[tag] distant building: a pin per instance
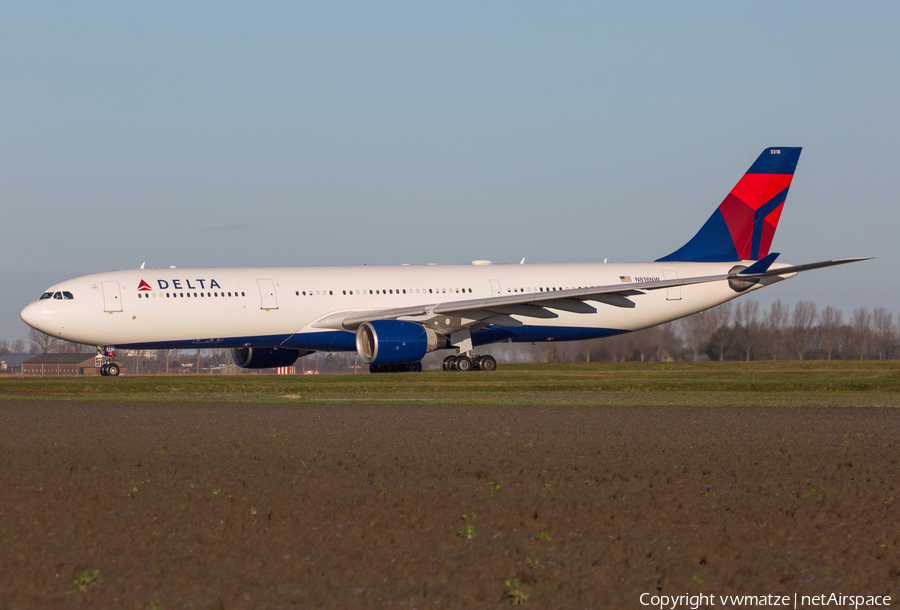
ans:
(12, 363)
(63, 364)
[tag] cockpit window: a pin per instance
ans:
(63, 296)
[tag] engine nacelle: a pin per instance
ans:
(265, 357)
(395, 341)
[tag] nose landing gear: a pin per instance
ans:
(104, 361)
(110, 370)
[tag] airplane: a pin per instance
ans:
(394, 315)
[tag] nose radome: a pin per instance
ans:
(31, 315)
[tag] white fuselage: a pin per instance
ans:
(292, 306)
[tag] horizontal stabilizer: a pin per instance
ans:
(762, 265)
(806, 267)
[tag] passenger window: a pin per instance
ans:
(229, 294)
(242, 294)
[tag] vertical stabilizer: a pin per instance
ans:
(743, 225)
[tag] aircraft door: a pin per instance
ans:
(495, 288)
(112, 298)
(673, 293)
(267, 294)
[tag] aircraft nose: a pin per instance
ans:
(34, 315)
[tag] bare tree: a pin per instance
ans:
(803, 331)
(775, 323)
(882, 331)
(746, 327)
(830, 331)
(719, 338)
(861, 325)
(42, 343)
(697, 329)
(18, 346)
(4, 347)
(68, 347)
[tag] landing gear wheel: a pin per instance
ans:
(112, 370)
(448, 363)
(104, 370)
(463, 363)
(415, 367)
(487, 363)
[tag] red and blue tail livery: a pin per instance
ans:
(743, 225)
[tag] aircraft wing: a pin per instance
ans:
(497, 310)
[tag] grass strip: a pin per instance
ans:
(785, 383)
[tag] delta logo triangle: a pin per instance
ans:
(144, 286)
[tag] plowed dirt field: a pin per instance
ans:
(282, 505)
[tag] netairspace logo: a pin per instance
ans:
(835, 600)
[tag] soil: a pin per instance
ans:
(282, 505)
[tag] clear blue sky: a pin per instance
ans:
(228, 134)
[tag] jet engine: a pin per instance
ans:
(395, 341)
(265, 357)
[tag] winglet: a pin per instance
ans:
(760, 266)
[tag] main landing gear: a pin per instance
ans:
(464, 363)
(404, 367)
